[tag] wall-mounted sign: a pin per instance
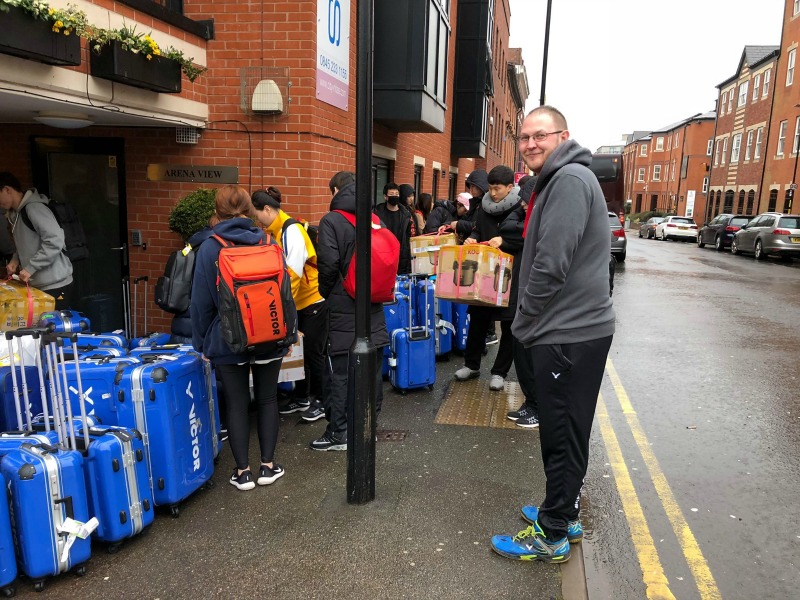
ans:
(333, 52)
(193, 173)
(689, 212)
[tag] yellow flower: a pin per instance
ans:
(66, 32)
(149, 56)
(58, 24)
(50, 11)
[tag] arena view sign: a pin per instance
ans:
(193, 173)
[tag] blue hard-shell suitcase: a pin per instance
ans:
(8, 407)
(445, 331)
(113, 338)
(8, 562)
(152, 339)
(170, 403)
(461, 323)
(64, 321)
(396, 315)
(46, 487)
(413, 362)
(117, 482)
(98, 379)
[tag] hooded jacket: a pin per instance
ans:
(417, 223)
(402, 232)
(206, 331)
(564, 290)
(301, 258)
(335, 246)
(480, 179)
(443, 212)
(182, 322)
(41, 251)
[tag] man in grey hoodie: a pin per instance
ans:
(565, 321)
(41, 252)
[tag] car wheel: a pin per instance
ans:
(649, 235)
(621, 257)
(700, 242)
(640, 232)
(718, 244)
(759, 251)
(734, 247)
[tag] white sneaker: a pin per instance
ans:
(465, 373)
(496, 383)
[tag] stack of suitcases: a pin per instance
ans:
(95, 435)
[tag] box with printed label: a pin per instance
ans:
(20, 305)
(425, 251)
(292, 367)
(474, 274)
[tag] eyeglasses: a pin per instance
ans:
(537, 137)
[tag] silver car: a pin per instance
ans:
(769, 233)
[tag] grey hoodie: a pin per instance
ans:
(563, 294)
(40, 251)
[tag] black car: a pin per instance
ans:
(721, 229)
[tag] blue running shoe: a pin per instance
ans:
(574, 528)
(531, 544)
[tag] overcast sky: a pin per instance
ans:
(615, 66)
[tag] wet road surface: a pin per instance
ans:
(692, 490)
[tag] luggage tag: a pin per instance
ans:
(74, 530)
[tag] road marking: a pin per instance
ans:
(655, 581)
(706, 584)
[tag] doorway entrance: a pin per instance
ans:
(89, 174)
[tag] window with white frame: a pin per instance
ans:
(724, 150)
(643, 150)
(730, 101)
(796, 136)
(790, 66)
(669, 143)
(717, 153)
(723, 103)
(767, 77)
(705, 185)
(656, 172)
(759, 139)
(640, 175)
(749, 145)
(736, 147)
(672, 172)
(743, 94)
(659, 144)
(676, 139)
(710, 147)
(782, 137)
(756, 85)
(796, 8)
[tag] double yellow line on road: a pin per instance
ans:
(654, 578)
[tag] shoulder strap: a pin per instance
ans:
(23, 213)
(224, 243)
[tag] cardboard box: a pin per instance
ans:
(474, 274)
(425, 251)
(292, 367)
(18, 309)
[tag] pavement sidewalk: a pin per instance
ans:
(441, 494)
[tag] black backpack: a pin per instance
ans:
(67, 218)
(174, 288)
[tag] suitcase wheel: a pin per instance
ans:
(38, 586)
(175, 511)
(80, 571)
(9, 591)
(114, 548)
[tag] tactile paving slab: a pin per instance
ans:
(472, 403)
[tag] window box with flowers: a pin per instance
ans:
(33, 30)
(135, 59)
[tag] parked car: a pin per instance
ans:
(769, 233)
(721, 229)
(676, 228)
(648, 228)
(619, 242)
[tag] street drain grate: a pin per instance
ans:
(391, 435)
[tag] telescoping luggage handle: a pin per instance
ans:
(20, 334)
(136, 282)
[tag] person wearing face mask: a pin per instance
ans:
(398, 219)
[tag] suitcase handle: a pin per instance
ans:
(67, 502)
(35, 332)
(45, 448)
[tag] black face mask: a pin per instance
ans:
(393, 200)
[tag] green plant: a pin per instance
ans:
(67, 21)
(192, 213)
(141, 43)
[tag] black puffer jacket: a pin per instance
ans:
(444, 212)
(403, 235)
(335, 246)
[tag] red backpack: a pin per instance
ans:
(256, 307)
(385, 257)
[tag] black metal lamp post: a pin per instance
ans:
(546, 48)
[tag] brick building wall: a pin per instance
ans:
(781, 170)
(633, 161)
